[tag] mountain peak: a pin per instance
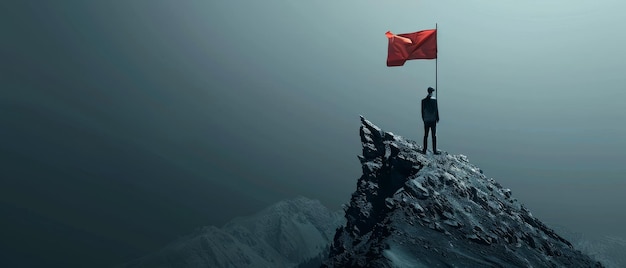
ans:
(416, 210)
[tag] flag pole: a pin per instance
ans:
(436, 67)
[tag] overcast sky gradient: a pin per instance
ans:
(125, 124)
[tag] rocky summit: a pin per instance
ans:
(416, 210)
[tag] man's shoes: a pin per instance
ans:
(437, 152)
(423, 151)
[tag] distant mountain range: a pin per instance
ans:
(291, 233)
(607, 249)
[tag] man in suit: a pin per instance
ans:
(430, 116)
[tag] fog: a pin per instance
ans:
(125, 124)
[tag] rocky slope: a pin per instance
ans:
(415, 210)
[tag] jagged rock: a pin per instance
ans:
(415, 210)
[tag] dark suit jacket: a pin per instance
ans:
(430, 111)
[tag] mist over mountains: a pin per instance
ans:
(290, 233)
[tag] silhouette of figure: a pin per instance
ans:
(430, 116)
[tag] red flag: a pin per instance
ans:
(411, 46)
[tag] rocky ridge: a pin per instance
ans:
(416, 210)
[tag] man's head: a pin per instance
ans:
(430, 92)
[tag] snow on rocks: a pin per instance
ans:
(414, 210)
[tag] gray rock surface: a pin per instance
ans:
(416, 210)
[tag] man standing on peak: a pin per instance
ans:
(430, 116)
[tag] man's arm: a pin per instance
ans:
(437, 111)
(422, 110)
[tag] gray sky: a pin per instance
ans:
(128, 123)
